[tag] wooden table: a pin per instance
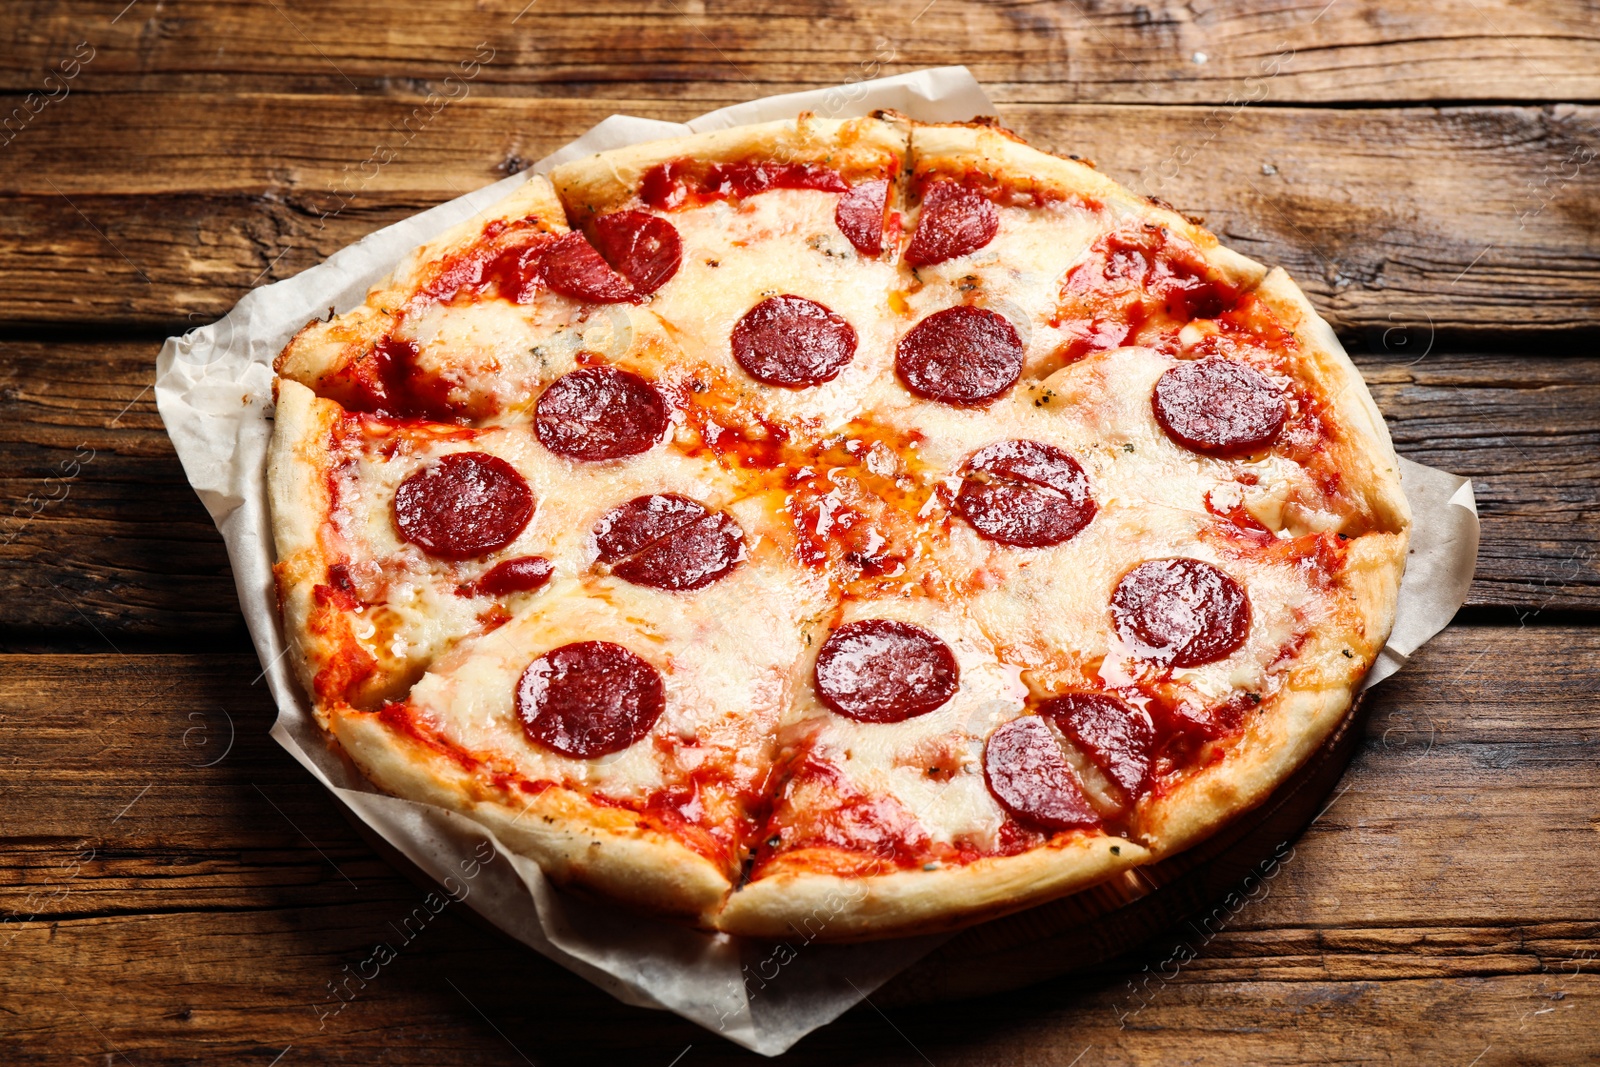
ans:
(176, 890)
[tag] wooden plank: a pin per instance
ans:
(1503, 420)
(159, 904)
(1461, 221)
(1451, 878)
(101, 539)
(1159, 51)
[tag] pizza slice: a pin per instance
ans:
(1020, 264)
(887, 816)
(619, 729)
(472, 325)
(1011, 234)
(397, 538)
(769, 248)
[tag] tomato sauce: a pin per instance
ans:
(1010, 190)
(506, 260)
(681, 183)
(388, 382)
(878, 830)
(1140, 287)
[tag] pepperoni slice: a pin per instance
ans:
(521, 575)
(644, 248)
(859, 215)
(1025, 493)
(954, 221)
(1029, 775)
(573, 268)
(643, 521)
(793, 342)
(1219, 406)
(589, 699)
(961, 355)
(1185, 611)
(668, 541)
(599, 413)
(1118, 738)
(880, 670)
(468, 504)
(690, 558)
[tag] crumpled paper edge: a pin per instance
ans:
(1439, 563)
(213, 390)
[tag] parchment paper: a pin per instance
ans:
(214, 392)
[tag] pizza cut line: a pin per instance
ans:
(869, 519)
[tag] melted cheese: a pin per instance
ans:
(1017, 274)
(498, 356)
(780, 242)
(414, 612)
(1046, 608)
(895, 759)
(726, 655)
(737, 657)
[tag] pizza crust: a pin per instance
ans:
(606, 849)
(828, 907)
(858, 149)
(297, 487)
(1363, 450)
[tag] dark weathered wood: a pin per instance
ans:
(1526, 430)
(123, 550)
(1458, 221)
(1452, 879)
(1063, 52)
(154, 909)
(101, 538)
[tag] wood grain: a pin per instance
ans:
(101, 538)
(707, 50)
(1426, 171)
(123, 550)
(1466, 223)
(1454, 876)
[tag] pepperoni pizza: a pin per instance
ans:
(855, 527)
